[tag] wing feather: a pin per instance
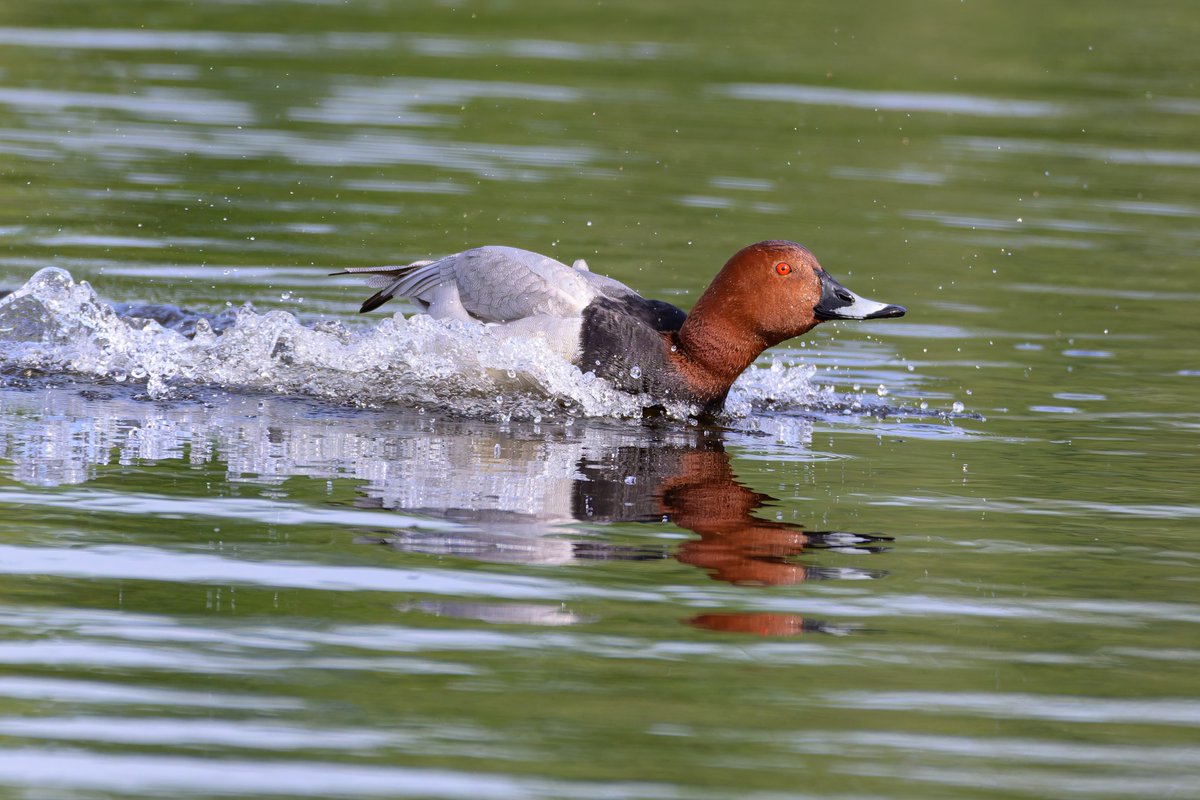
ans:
(495, 284)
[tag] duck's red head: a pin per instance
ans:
(777, 290)
(766, 293)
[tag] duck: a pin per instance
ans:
(766, 293)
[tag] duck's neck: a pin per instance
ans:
(711, 353)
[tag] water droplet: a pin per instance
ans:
(924, 405)
(635, 372)
(882, 391)
(958, 407)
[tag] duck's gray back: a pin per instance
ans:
(501, 284)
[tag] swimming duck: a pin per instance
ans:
(766, 293)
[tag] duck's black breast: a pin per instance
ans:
(622, 341)
(665, 317)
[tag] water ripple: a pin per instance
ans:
(999, 147)
(152, 103)
(272, 512)
(113, 562)
(56, 690)
(239, 733)
(1034, 783)
(393, 102)
(137, 140)
(127, 775)
(140, 39)
(1039, 506)
(1028, 751)
(1009, 705)
(892, 101)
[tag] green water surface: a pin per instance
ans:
(232, 594)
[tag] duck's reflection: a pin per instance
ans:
(688, 483)
(536, 495)
(695, 488)
(692, 486)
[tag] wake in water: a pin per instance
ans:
(54, 324)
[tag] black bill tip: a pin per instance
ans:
(887, 312)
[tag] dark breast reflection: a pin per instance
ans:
(691, 484)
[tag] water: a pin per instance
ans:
(285, 550)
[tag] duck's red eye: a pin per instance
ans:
(783, 268)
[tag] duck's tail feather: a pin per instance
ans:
(409, 280)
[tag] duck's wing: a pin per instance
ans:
(406, 281)
(501, 284)
(490, 284)
(659, 314)
(588, 286)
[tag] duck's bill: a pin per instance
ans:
(838, 302)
